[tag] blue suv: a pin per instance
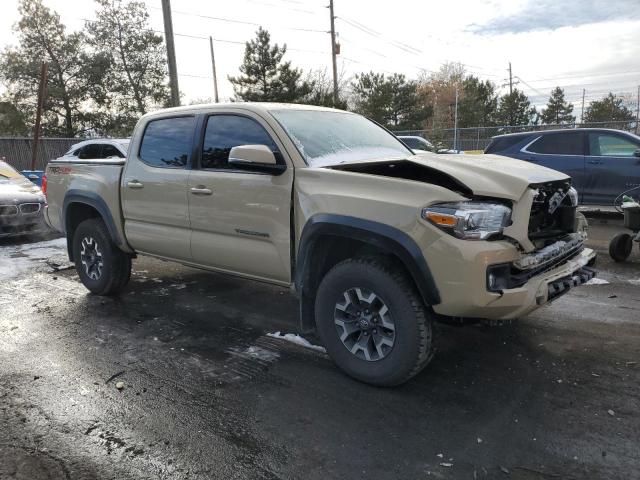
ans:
(602, 163)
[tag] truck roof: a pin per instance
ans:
(259, 107)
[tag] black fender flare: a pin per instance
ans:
(95, 201)
(373, 233)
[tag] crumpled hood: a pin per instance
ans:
(490, 175)
(15, 191)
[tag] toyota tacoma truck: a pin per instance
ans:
(377, 242)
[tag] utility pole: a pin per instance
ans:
(333, 54)
(582, 111)
(213, 66)
(510, 80)
(171, 53)
(638, 111)
(455, 123)
(42, 88)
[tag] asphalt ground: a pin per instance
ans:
(207, 394)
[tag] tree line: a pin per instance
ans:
(104, 77)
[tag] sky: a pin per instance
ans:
(575, 44)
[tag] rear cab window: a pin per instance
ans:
(167, 142)
(565, 143)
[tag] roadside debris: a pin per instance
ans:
(504, 470)
(114, 376)
(446, 464)
(120, 385)
(597, 281)
(297, 339)
(631, 364)
(611, 412)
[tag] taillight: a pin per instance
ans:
(44, 185)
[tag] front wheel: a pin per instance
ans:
(102, 267)
(373, 322)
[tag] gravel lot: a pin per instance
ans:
(206, 393)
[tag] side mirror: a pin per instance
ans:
(255, 157)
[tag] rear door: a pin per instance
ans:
(154, 189)
(562, 151)
(612, 166)
(240, 219)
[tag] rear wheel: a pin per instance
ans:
(620, 247)
(373, 323)
(102, 267)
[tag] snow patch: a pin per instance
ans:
(635, 281)
(298, 340)
(597, 281)
(17, 259)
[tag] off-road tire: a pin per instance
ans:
(620, 247)
(116, 265)
(413, 346)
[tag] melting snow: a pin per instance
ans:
(297, 339)
(16, 259)
(597, 281)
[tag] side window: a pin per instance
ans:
(569, 143)
(167, 142)
(607, 145)
(109, 151)
(91, 151)
(224, 132)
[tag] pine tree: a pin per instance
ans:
(558, 111)
(265, 77)
(392, 101)
(515, 109)
(610, 109)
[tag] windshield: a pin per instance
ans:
(7, 172)
(329, 138)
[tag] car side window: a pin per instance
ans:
(608, 145)
(569, 143)
(167, 142)
(109, 151)
(224, 132)
(90, 151)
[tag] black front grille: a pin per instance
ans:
(26, 208)
(8, 210)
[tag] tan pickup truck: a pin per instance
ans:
(377, 242)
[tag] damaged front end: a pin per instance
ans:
(557, 233)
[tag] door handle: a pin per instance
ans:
(201, 190)
(594, 162)
(134, 184)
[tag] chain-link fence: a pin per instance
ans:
(18, 151)
(477, 138)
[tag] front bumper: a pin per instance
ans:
(462, 281)
(21, 223)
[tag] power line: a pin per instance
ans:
(242, 22)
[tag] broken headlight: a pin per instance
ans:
(469, 220)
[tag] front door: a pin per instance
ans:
(154, 189)
(612, 166)
(240, 220)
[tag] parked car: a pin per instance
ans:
(97, 149)
(417, 143)
(377, 242)
(420, 145)
(21, 204)
(602, 163)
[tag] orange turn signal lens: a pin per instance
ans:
(442, 219)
